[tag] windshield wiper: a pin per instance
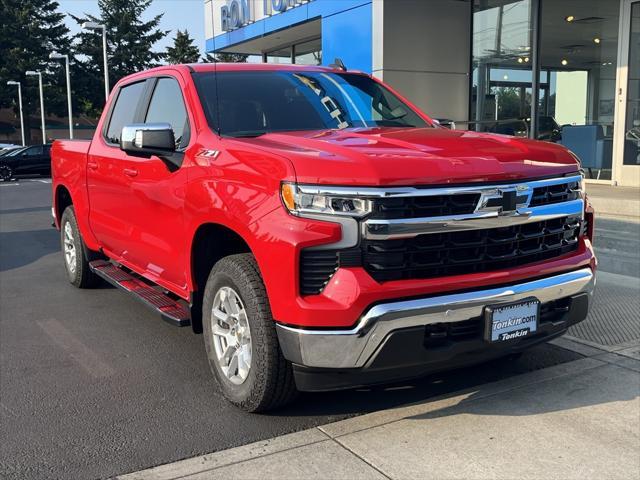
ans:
(247, 134)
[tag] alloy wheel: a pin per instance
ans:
(69, 248)
(5, 173)
(231, 335)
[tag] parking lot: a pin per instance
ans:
(93, 385)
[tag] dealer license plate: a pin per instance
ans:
(511, 321)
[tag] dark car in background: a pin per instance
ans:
(548, 128)
(33, 160)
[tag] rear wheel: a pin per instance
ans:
(5, 173)
(240, 337)
(75, 253)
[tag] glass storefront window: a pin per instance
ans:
(281, 56)
(632, 120)
(579, 57)
(501, 92)
(308, 53)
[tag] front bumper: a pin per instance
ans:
(359, 347)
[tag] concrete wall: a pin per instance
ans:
(422, 48)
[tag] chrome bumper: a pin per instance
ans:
(343, 349)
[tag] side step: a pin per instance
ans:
(169, 309)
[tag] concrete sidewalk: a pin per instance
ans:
(576, 420)
(615, 202)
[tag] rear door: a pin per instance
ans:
(107, 182)
(44, 163)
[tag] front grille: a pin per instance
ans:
(424, 206)
(446, 253)
(470, 251)
(550, 194)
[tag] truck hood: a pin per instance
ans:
(414, 156)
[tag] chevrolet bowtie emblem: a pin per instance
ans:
(509, 198)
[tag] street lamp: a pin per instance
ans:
(99, 26)
(13, 82)
(39, 74)
(58, 56)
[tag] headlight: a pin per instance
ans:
(309, 199)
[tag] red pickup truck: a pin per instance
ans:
(319, 229)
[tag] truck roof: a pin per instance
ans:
(222, 67)
(229, 67)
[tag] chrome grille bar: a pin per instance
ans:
(410, 227)
(488, 213)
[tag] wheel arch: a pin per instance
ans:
(211, 242)
(62, 200)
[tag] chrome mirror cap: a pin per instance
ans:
(147, 139)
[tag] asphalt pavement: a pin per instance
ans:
(92, 384)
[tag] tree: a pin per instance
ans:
(183, 50)
(31, 29)
(223, 57)
(130, 44)
(508, 99)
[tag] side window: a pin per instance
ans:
(33, 151)
(167, 106)
(124, 111)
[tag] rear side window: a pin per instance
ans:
(124, 110)
(37, 150)
(167, 106)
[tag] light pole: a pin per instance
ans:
(58, 56)
(39, 74)
(13, 82)
(99, 26)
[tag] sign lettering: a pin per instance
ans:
(237, 13)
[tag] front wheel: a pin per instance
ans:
(240, 337)
(5, 173)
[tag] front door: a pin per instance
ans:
(628, 115)
(157, 189)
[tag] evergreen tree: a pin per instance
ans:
(31, 29)
(130, 42)
(183, 50)
(223, 57)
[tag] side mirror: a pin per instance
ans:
(146, 139)
(445, 123)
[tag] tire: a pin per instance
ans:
(78, 271)
(6, 173)
(235, 284)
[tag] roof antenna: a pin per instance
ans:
(338, 64)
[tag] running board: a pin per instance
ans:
(169, 309)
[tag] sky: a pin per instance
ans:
(178, 14)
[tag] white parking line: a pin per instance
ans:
(84, 356)
(27, 180)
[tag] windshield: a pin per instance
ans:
(252, 103)
(13, 153)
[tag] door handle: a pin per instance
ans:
(130, 172)
(92, 165)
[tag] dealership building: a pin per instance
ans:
(566, 71)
